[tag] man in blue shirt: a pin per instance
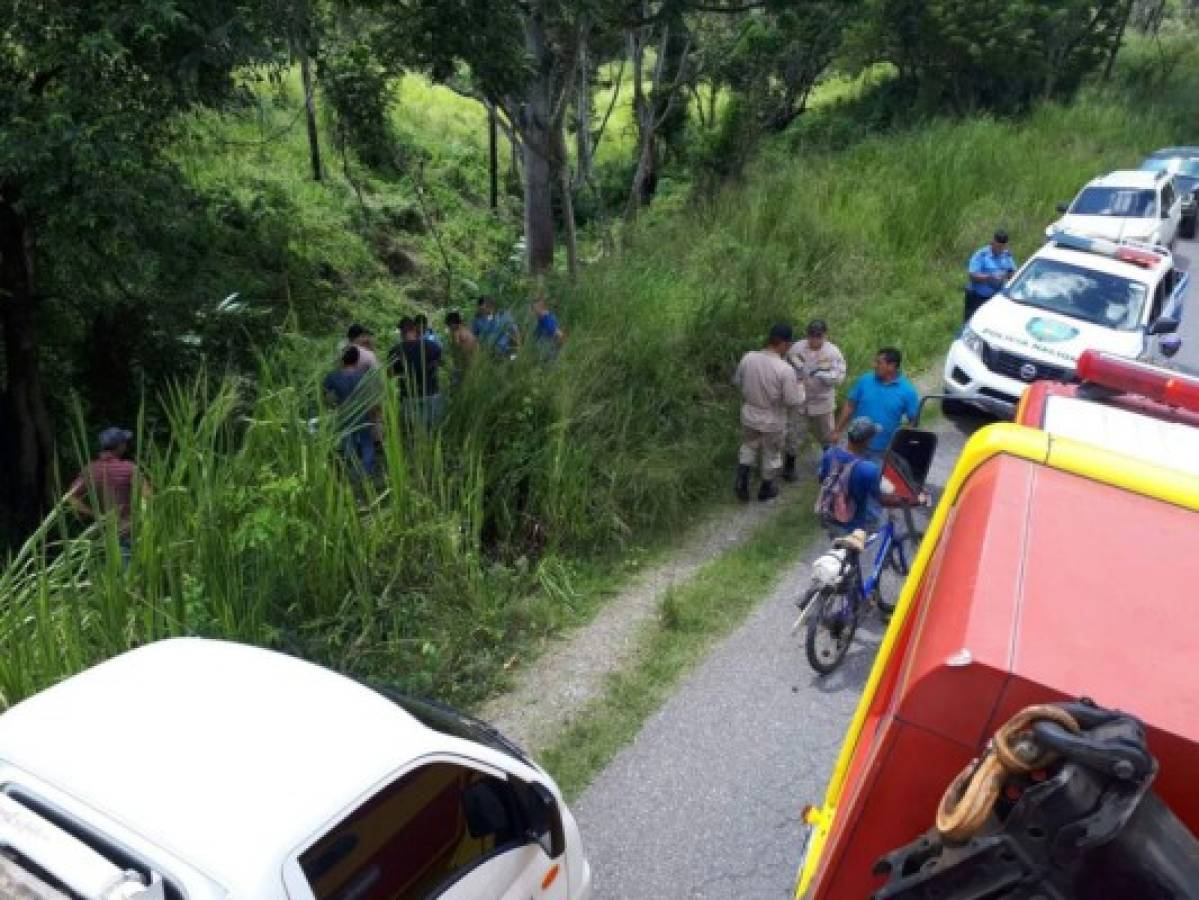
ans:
(865, 478)
(989, 270)
(495, 330)
(885, 397)
(353, 393)
(547, 335)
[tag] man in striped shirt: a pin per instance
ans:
(106, 486)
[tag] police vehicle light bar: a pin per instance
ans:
(1133, 377)
(1135, 252)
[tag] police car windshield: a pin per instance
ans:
(1127, 203)
(1107, 300)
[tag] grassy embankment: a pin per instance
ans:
(476, 544)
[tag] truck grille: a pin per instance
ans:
(1014, 366)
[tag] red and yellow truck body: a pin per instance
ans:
(1052, 569)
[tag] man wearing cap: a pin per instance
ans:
(107, 485)
(769, 390)
(822, 367)
(865, 482)
(883, 396)
(989, 270)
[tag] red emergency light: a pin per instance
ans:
(1132, 377)
(1145, 258)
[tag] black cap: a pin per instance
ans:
(111, 438)
(781, 332)
(1000, 236)
(862, 430)
(817, 328)
(356, 331)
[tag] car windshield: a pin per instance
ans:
(1128, 203)
(1107, 300)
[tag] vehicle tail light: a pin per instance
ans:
(1133, 377)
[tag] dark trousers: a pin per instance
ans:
(973, 302)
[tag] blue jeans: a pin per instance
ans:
(358, 448)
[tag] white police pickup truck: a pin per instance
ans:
(202, 769)
(1075, 293)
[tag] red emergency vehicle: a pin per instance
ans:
(1059, 563)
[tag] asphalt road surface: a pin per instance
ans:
(706, 801)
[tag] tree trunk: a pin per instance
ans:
(493, 156)
(26, 444)
(566, 190)
(583, 149)
(314, 140)
(1111, 57)
(536, 131)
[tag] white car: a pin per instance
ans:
(1133, 205)
(202, 769)
(1075, 293)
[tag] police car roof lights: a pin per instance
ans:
(1132, 377)
(1138, 253)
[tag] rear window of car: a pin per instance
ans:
(1130, 203)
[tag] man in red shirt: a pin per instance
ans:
(106, 485)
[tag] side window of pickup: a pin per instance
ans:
(1159, 297)
(416, 837)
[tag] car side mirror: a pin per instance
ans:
(1166, 213)
(1164, 325)
(1063, 207)
(544, 819)
(1170, 345)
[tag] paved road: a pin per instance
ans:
(705, 802)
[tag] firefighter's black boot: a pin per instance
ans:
(768, 491)
(742, 483)
(789, 468)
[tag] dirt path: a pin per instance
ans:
(571, 672)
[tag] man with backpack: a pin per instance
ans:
(769, 390)
(851, 481)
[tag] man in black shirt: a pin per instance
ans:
(415, 363)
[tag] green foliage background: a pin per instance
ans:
(478, 543)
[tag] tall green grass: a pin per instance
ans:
(467, 551)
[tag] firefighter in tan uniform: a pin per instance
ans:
(770, 388)
(822, 367)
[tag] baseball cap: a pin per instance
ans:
(781, 332)
(862, 429)
(817, 327)
(356, 331)
(1000, 236)
(111, 438)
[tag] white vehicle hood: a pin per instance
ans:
(1048, 337)
(1113, 228)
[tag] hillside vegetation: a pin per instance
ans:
(485, 537)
